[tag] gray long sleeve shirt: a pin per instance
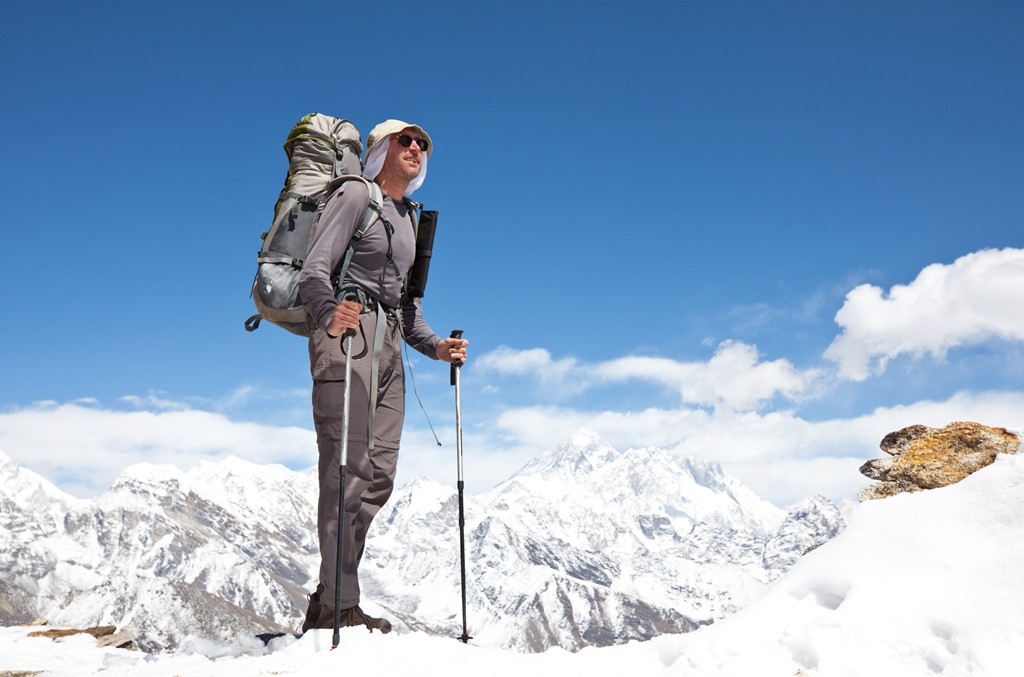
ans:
(370, 268)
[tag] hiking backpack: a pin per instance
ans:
(323, 155)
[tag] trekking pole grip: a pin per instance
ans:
(456, 333)
(349, 295)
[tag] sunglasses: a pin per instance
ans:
(404, 140)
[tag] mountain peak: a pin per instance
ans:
(28, 489)
(582, 453)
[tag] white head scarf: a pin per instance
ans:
(378, 141)
(375, 162)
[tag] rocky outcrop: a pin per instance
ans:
(106, 635)
(926, 458)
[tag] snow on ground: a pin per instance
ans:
(923, 584)
(359, 652)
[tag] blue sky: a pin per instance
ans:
(761, 233)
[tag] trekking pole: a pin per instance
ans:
(456, 368)
(343, 466)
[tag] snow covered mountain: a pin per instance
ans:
(219, 549)
(925, 583)
(584, 546)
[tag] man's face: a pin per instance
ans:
(405, 161)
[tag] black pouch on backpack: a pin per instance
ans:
(424, 248)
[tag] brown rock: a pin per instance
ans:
(896, 443)
(106, 635)
(927, 458)
(97, 631)
(878, 468)
(118, 640)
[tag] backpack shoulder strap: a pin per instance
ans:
(414, 213)
(374, 204)
(371, 214)
(373, 207)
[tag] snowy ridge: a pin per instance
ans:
(588, 546)
(585, 546)
(165, 552)
(918, 584)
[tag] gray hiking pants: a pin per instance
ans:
(371, 475)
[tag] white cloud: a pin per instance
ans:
(83, 449)
(153, 401)
(780, 455)
(734, 377)
(510, 361)
(974, 299)
(784, 481)
(565, 376)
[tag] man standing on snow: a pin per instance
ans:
(396, 159)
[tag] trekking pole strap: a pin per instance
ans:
(372, 305)
(378, 348)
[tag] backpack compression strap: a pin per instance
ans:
(370, 216)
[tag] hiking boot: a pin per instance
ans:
(382, 624)
(352, 617)
(313, 612)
